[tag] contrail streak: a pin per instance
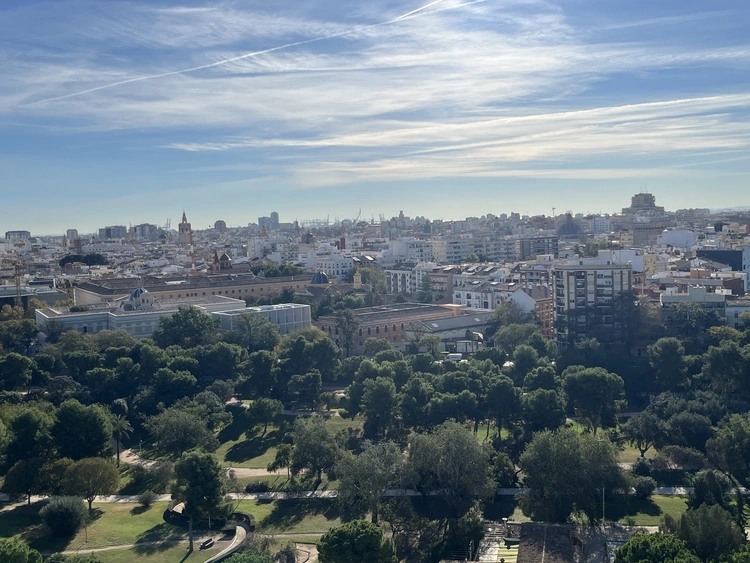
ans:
(237, 58)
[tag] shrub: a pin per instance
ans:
(64, 515)
(644, 487)
(257, 487)
(15, 551)
(642, 467)
(147, 498)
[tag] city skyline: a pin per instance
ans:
(132, 111)
(91, 226)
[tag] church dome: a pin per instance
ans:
(321, 278)
(225, 258)
(138, 292)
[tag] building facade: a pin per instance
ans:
(590, 301)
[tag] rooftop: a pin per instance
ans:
(119, 286)
(160, 305)
(367, 315)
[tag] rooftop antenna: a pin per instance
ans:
(553, 211)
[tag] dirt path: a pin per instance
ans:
(241, 472)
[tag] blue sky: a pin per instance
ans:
(114, 112)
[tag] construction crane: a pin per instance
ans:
(358, 216)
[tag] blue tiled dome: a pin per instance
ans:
(137, 293)
(321, 278)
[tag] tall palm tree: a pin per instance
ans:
(120, 428)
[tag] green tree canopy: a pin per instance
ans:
(15, 371)
(655, 548)
(177, 431)
(450, 460)
(642, 430)
(358, 541)
(23, 478)
(709, 530)
(255, 332)
(347, 324)
(365, 477)
(199, 484)
(667, 359)
(379, 405)
(543, 409)
(14, 550)
(91, 477)
(187, 328)
(566, 471)
(264, 410)
(729, 449)
(315, 446)
(82, 431)
(593, 393)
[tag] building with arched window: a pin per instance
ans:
(388, 321)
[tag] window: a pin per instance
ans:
(385, 328)
(369, 331)
(394, 328)
(360, 332)
(377, 330)
(402, 326)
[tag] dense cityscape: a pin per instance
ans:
(558, 388)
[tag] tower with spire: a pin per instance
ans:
(185, 231)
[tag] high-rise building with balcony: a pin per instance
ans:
(592, 300)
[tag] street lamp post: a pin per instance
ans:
(603, 519)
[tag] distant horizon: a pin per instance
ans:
(364, 217)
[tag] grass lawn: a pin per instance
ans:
(630, 453)
(647, 512)
(505, 507)
(298, 516)
(114, 524)
(130, 524)
(172, 554)
(250, 448)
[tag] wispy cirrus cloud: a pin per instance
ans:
(331, 93)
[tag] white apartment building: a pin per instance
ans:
(599, 224)
(734, 307)
(410, 249)
(335, 264)
(695, 294)
(401, 279)
(490, 295)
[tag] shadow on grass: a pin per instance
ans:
(24, 521)
(622, 507)
(138, 510)
(501, 507)
(287, 514)
(159, 538)
(251, 448)
(234, 431)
